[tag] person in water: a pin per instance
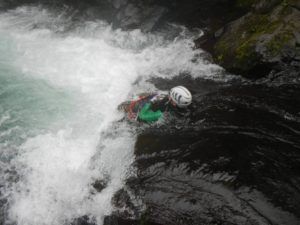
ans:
(178, 99)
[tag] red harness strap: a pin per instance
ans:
(131, 114)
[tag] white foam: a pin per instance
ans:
(99, 65)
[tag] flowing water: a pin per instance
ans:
(68, 157)
(60, 84)
(233, 160)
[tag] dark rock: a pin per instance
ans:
(265, 6)
(121, 199)
(219, 32)
(206, 42)
(256, 43)
(84, 220)
(99, 185)
(297, 37)
(115, 220)
(294, 3)
(118, 220)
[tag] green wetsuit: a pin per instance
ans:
(147, 115)
(154, 109)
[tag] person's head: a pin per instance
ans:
(180, 96)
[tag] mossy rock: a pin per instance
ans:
(236, 49)
(278, 42)
(258, 39)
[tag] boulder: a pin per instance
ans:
(265, 6)
(263, 39)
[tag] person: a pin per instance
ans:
(153, 106)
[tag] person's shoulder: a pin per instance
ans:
(160, 96)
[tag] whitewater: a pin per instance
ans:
(60, 84)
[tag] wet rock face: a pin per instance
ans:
(264, 39)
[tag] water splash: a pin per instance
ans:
(97, 67)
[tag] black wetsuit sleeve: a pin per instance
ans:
(160, 104)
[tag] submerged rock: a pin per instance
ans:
(99, 185)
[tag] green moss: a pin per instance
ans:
(237, 47)
(220, 58)
(271, 32)
(259, 24)
(278, 42)
(221, 49)
(245, 54)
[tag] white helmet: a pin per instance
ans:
(181, 96)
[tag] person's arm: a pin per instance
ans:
(147, 115)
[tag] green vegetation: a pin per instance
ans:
(246, 54)
(239, 46)
(278, 42)
(257, 36)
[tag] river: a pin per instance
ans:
(66, 153)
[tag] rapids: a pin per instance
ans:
(67, 156)
(60, 83)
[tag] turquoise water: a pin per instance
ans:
(59, 92)
(28, 106)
